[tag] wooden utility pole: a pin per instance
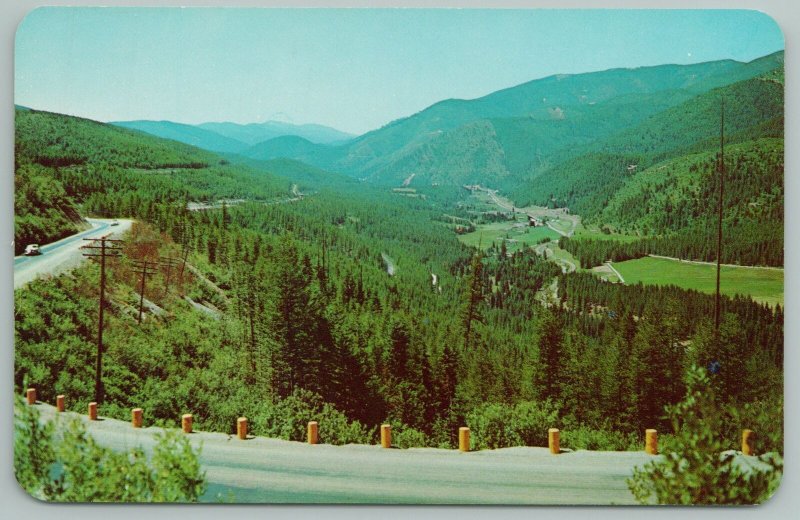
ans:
(184, 257)
(170, 263)
(145, 269)
(107, 248)
(721, 171)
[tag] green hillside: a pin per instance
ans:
(524, 129)
(747, 103)
(752, 107)
(288, 146)
(68, 166)
(43, 212)
(58, 140)
(673, 194)
(672, 205)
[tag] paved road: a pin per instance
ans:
(203, 206)
(64, 254)
(277, 471)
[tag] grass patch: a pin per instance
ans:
(516, 237)
(594, 233)
(761, 284)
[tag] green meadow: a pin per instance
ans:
(593, 232)
(764, 285)
(516, 237)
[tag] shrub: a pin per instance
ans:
(532, 419)
(585, 438)
(77, 469)
(499, 426)
(404, 436)
(694, 468)
(288, 419)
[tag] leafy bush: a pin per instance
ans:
(404, 436)
(499, 426)
(74, 468)
(288, 419)
(490, 426)
(694, 468)
(585, 438)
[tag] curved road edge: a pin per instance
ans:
(65, 254)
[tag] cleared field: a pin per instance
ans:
(594, 233)
(515, 237)
(763, 285)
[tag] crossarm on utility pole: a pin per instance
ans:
(144, 268)
(108, 248)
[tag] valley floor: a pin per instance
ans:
(763, 284)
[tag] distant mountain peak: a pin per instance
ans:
(254, 133)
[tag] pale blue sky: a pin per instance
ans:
(352, 69)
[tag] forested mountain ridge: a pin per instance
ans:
(754, 108)
(504, 138)
(57, 140)
(672, 206)
(287, 146)
(431, 142)
(66, 163)
(672, 194)
(233, 137)
(188, 134)
(254, 133)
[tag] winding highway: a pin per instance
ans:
(65, 254)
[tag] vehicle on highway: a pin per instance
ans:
(115, 222)
(32, 250)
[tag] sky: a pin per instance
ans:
(352, 69)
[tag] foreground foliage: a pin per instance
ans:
(694, 468)
(65, 464)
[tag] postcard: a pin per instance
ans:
(399, 256)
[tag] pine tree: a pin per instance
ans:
(550, 355)
(470, 313)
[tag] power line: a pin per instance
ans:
(107, 248)
(170, 263)
(144, 268)
(721, 170)
(184, 258)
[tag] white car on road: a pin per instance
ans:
(32, 250)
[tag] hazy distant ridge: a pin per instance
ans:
(234, 137)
